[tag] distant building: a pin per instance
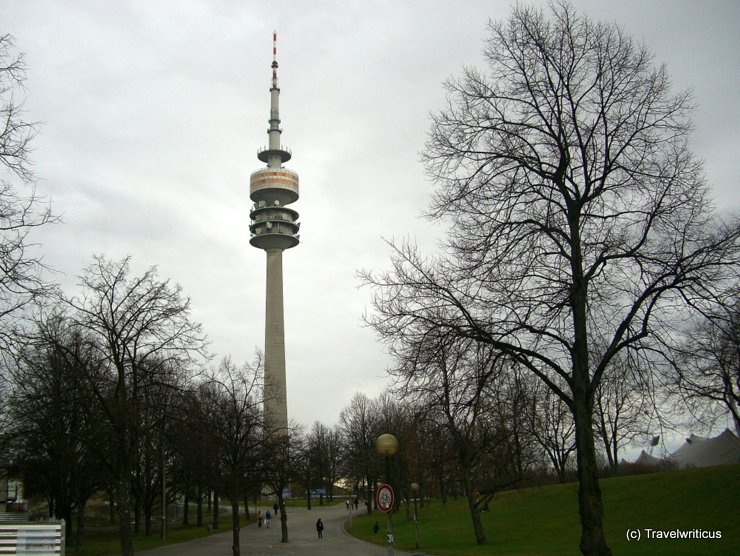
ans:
(649, 460)
(699, 451)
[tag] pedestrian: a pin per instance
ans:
(259, 518)
(357, 503)
(376, 528)
(346, 504)
(268, 517)
(275, 508)
(320, 528)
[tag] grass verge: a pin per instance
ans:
(544, 521)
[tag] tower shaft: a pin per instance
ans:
(276, 398)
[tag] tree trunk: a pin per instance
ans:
(124, 521)
(111, 505)
(137, 516)
(283, 517)
(80, 533)
(66, 515)
(480, 535)
(308, 490)
(246, 506)
(148, 510)
(235, 526)
(215, 510)
(186, 510)
(199, 508)
(590, 504)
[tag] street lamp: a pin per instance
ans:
(415, 490)
(387, 445)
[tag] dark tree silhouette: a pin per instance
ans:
(53, 427)
(229, 418)
(21, 210)
(138, 329)
(707, 367)
(553, 428)
(575, 205)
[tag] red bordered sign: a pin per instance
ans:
(384, 498)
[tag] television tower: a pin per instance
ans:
(274, 228)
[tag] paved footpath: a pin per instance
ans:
(303, 540)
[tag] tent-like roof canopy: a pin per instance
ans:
(698, 451)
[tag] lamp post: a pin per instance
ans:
(387, 445)
(415, 490)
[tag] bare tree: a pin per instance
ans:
(20, 212)
(139, 330)
(333, 446)
(231, 419)
(553, 428)
(281, 464)
(454, 379)
(322, 447)
(623, 405)
(435, 459)
(574, 205)
(156, 411)
(707, 367)
(358, 423)
(53, 428)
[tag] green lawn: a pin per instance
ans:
(544, 521)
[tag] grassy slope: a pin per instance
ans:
(545, 520)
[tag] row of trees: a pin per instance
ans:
(110, 391)
(198, 437)
(92, 384)
(186, 434)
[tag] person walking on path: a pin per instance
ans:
(268, 518)
(320, 528)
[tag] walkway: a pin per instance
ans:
(266, 542)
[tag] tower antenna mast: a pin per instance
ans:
(274, 61)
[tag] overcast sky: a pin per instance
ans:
(152, 113)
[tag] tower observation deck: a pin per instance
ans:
(274, 228)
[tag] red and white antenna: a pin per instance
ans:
(274, 60)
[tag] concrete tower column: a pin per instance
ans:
(276, 399)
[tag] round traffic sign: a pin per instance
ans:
(384, 498)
